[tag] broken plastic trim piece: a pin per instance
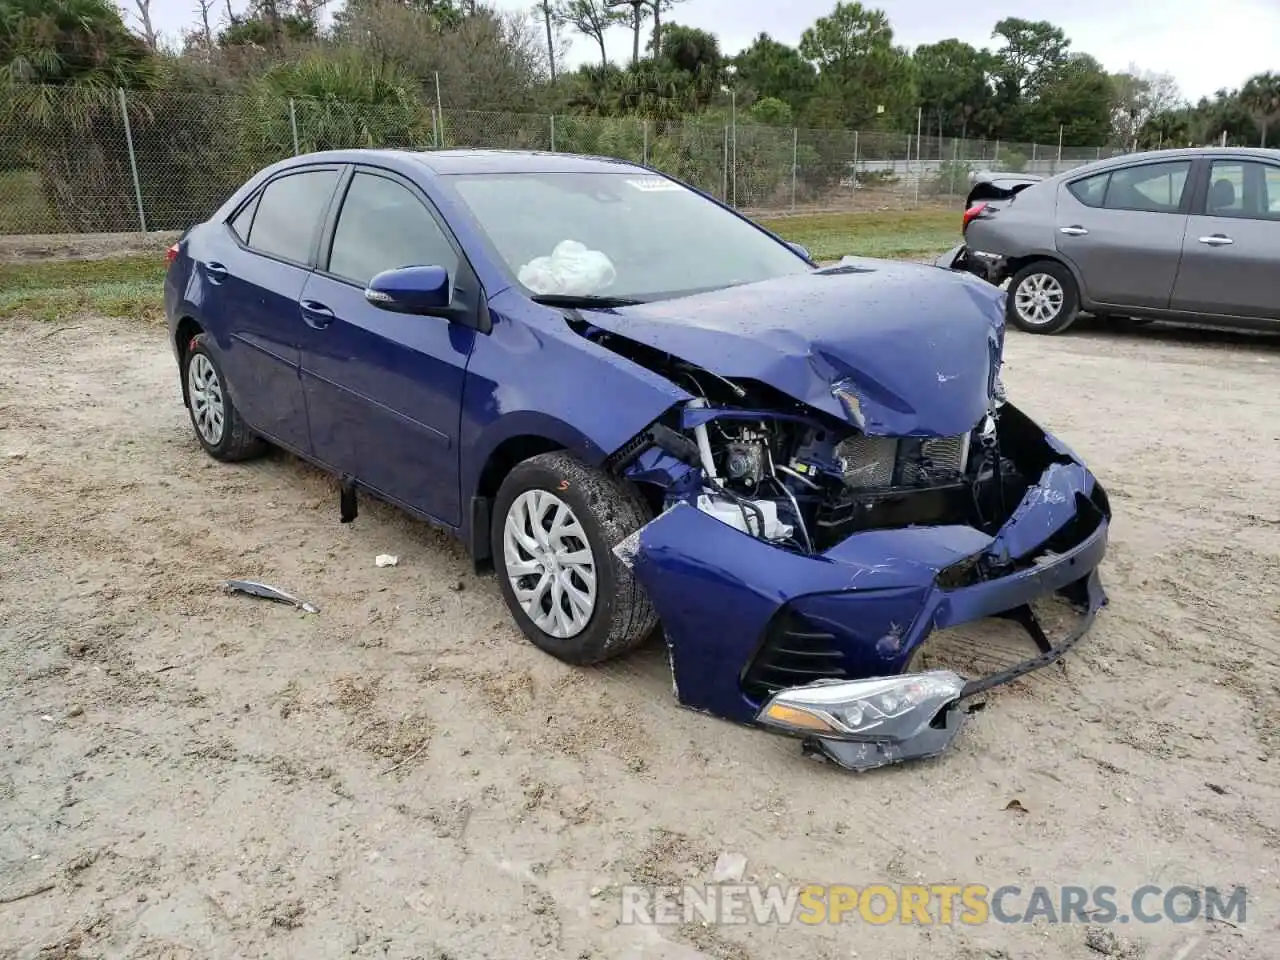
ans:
(267, 592)
(859, 755)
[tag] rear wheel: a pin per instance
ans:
(217, 423)
(555, 524)
(1043, 298)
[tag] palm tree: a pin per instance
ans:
(80, 43)
(1261, 97)
(61, 62)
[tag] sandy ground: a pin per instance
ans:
(188, 774)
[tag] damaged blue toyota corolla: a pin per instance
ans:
(643, 409)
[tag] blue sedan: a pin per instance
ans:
(641, 408)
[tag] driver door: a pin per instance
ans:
(383, 389)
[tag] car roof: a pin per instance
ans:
(464, 160)
(1180, 153)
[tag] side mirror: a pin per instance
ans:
(800, 249)
(416, 290)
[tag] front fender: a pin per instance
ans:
(533, 376)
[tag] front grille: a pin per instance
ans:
(794, 652)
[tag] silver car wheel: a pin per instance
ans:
(1039, 299)
(549, 563)
(204, 390)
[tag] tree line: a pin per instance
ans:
(847, 71)
(244, 87)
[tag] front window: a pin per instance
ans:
(629, 235)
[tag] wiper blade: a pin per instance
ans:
(584, 300)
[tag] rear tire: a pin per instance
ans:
(555, 524)
(214, 417)
(1043, 298)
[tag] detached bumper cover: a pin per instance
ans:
(986, 266)
(744, 619)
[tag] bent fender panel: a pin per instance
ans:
(534, 376)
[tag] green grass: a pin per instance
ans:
(56, 289)
(131, 286)
(22, 205)
(886, 233)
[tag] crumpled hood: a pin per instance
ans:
(921, 346)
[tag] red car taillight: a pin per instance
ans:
(972, 214)
(171, 254)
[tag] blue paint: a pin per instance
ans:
(413, 290)
(921, 346)
(876, 592)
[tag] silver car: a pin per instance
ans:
(1172, 235)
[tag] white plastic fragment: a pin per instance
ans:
(729, 868)
(386, 560)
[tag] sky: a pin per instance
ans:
(1205, 46)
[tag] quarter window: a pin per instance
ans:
(383, 226)
(241, 222)
(290, 214)
(1149, 188)
(1090, 190)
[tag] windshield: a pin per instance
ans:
(619, 235)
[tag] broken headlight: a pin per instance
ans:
(882, 709)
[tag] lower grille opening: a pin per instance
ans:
(794, 652)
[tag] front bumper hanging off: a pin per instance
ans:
(814, 646)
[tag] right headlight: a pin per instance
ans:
(883, 709)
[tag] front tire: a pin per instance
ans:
(1043, 298)
(555, 524)
(214, 417)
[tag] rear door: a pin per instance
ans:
(256, 276)
(1231, 252)
(384, 390)
(1122, 229)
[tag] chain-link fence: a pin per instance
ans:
(113, 161)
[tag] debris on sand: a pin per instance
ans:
(267, 592)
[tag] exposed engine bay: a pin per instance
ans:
(796, 477)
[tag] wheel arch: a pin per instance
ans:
(506, 443)
(186, 330)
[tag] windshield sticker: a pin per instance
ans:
(656, 185)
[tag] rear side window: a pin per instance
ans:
(290, 213)
(383, 226)
(1149, 188)
(1090, 190)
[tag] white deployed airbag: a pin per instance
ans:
(572, 269)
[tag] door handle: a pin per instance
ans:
(216, 271)
(1217, 240)
(1073, 231)
(316, 314)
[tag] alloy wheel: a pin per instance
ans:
(204, 391)
(549, 563)
(1039, 299)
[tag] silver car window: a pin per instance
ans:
(1244, 189)
(1148, 187)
